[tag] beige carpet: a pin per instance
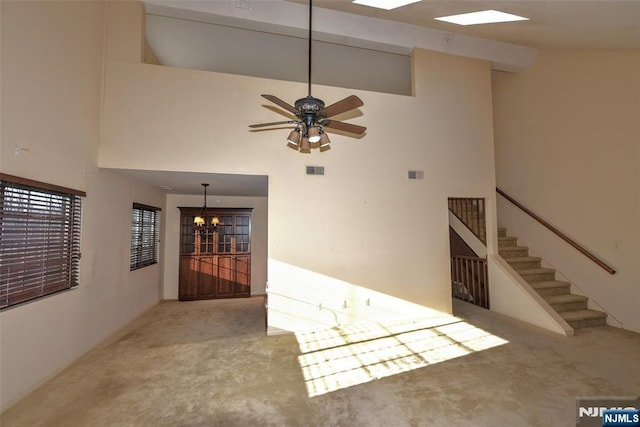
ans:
(209, 363)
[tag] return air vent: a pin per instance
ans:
(315, 170)
(416, 174)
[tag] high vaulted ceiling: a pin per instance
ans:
(594, 24)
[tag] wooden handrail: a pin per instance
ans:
(559, 233)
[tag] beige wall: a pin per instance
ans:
(567, 143)
(51, 85)
(258, 237)
(51, 100)
(125, 31)
(363, 223)
(362, 229)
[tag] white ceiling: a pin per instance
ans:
(595, 24)
(220, 184)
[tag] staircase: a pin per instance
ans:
(572, 308)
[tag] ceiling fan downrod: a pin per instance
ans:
(309, 65)
(313, 117)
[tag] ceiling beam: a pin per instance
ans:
(288, 18)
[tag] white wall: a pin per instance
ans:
(51, 100)
(567, 146)
(258, 237)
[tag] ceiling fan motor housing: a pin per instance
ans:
(309, 105)
(309, 109)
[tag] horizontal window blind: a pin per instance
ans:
(39, 241)
(144, 235)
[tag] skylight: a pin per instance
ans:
(385, 4)
(481, 17)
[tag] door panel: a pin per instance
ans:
(225, 276)
(242, 285)
(188, 278)
(207, 278)
(242, 233)
(225, 234)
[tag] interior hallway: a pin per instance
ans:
(209, 363)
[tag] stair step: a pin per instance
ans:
(513, 251)
(567, 302)
(507, 241)
(532, 275)
(551, 287)
(573, 308)
(524, 262)
(584, 318)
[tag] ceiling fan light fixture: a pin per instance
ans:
(314, 134)
(305, 146)
(324, 140)
(319, 142)
(294, 138)
(324, 148)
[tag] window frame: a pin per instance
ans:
(40, 237)
(145, 236)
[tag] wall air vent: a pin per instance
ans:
(416, 174)
(315, 170)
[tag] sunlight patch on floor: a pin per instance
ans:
(342, 357)
(300, 299)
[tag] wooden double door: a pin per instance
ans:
(215, 264)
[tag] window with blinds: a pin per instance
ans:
(39, 239)
(144, 235)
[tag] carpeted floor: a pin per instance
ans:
(209, 363)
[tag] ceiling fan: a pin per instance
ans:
(313, 117)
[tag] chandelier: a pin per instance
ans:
(200, 221)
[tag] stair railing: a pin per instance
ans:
(469, 280)
(559, 233)
(471, 212)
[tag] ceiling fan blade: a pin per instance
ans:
(345, 127)
(281, 103)
(261, 125)
(349, 103)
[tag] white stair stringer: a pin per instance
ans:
(469, 238)
(512, 296)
